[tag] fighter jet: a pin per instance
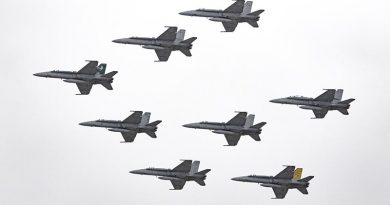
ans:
(186, 171)
(85, 78)
(170, 40)
(238, 126)
(282, 182)
(129, 127)
(329, 100)
(238, 12)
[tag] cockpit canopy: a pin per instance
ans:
(209, 10)
(297, 97)
(157, 169)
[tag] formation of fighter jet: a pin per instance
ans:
(186, 171)
(238, 12)
(85, 78)
(138, 122)
(289, 178)
(170, 40)
(239, 125)
(329, 100)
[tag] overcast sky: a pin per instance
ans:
(300, 48)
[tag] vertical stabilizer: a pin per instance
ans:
(180, 35)
(145, 118)
(194, 167)
(102, 68)
(297, 174)
(249, 121)
(338, 96)
(247, 8)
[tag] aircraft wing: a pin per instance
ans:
(287, 173)
(178, 184)
(327, 96)
(163, 55)
(134, 118)
(89, 69)
(232, 140)
(185, 166)
(236, 7)
(129, 136)
(168, 35)
(320, 113)
(84, 88)
(230, 26)
(280, 193)
(239, 119)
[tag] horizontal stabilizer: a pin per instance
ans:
(110, 74)
(259, 125)
(346, 102)
(200, 182)
(154, 124)
(256, 137)
(253, 24)
(108, 86)
(151, 134)
(256, 13)
(204, 172)
(343, 111)
(306, 179)
(186, 52)
(303, 190)
(190, 40)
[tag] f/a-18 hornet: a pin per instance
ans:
(282, 182)
(85, 78)
(170, 40)
(129, 127)
(238, 12)
(329, 100)
(186, 171)
(238, 126)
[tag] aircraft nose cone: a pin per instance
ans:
(86, 123)
(276, 100)
(236, 178)
(40, 74)
(185, 13)
(136, 172)
(191, 125)
(116, 41)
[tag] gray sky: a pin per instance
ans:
(300, 48)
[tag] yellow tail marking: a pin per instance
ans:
(297, 174)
